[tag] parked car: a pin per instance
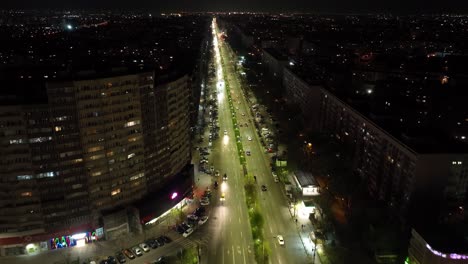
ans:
(145, 247)
(120, 257)
(192, 217)
(247, 153)
(205, 202)
(137, 251)
(199, 211)
(188, 232)
(151, 243)
(161, 260)
(128, 253)
(160, 240)
(166, 239)
(203, 220)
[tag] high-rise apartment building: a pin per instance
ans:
(73, 151)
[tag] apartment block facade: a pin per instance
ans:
(394, 172)
(86, 148)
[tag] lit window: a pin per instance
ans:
(26, 194)
(17, 141)
(132, 123)
(24, 177)
(96, 157)
(77, 160)
(46, 174)
(58, 128)
(129, 156)
(115, 192)
(137, 176)
(39, 139)
(96, 173)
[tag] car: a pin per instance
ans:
(160, 241)
(166, 239)
(247, 153)
(205, 202)
(192, 217)
(128, 253)
(180, 229)
(223, 197)
(199, 211)
(161, 260)
(152, 243)
(137, 251)
(225, 177)
(120, 257)
(216, 185)
(275, 178)
(264, 188)
(243, 114)
(188, 232)
(109, 260)
(203, 220)
(216, 173)
(145, 247)
(225, 132)
(280, 240)
(249, 138)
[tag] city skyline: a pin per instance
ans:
(277, 6)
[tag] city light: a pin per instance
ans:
(69, 27)
(174, 195)
(223, 186)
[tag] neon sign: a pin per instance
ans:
(173, 196)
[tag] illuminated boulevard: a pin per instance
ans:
(232, 239)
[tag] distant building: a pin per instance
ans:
(437, 246)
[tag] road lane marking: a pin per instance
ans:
(239, 220)
(243, 253)
(233, 260)
(241, 234)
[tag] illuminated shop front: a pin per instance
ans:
(78, 240)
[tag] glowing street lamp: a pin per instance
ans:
(174, 195)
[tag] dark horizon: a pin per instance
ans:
(273, 6)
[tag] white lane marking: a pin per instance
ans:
(243, 253)
(271, 230)
(233, 260)
(241, 234)
(239, 220)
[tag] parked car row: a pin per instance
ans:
(137, 251)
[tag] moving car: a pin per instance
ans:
(247, 153)
(188, 232)
(203, 220)
(145, 247)
(249, 138)
(280, 240)
(225, 177)
(216, 173)
(223, 197)
(225, 132)
(264, 188)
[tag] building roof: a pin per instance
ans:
(448, 239)
(305, 178)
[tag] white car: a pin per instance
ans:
(137, 251)
(280, 240)
(205, 202)
(225, 132)
(188, 232)
(203, 220)
(144, 247)
(249, 138)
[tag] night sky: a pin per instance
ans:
(339, 6)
